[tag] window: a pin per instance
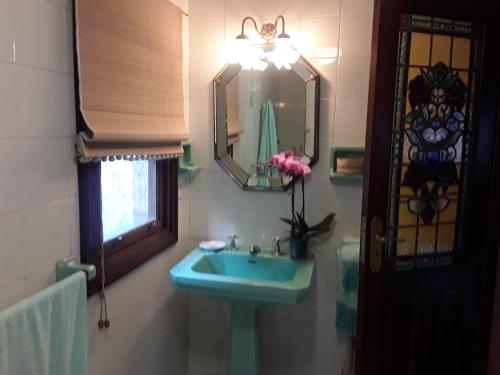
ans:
(134, 205)
(434, 128)
(128, 194)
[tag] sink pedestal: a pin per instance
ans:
(244, 340)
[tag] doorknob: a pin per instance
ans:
(377, 240)
(382, 239)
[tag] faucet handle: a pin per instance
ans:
(277, 248)
(232, 241)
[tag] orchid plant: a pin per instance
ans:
(289, 164)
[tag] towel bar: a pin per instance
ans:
(69, 266)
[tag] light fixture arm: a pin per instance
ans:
(280, 17)
(243, 25)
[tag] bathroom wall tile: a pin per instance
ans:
(201, 117)
(319, 34)
(182, 4)
(126, 299)
(69, 39)
(72, 168)
(202, 147)
(205, 223)
(206, 40)
(9, 165)
(327, 113)
(350, 118)
(201, 301)
(287, 8)
(205, 357)
(206, 325)
(6, 31)
(43, 170)
(41, 35)
(201, 75)
(183, 207)
(275, 336)
(62, 3)
(46, 234)
(328, 77)
(40, 280)
(12, 293)
(74, 223)
(310, 8)
(356, 7)
(355, 35)
(349, 142)
(11, 249)
(48, 98)
(206, 10)
(240, 221)
(8, 93)
(237, 9)
(353, 77)
(207, 187)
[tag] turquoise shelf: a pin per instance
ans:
(345, 152)
(185, 163)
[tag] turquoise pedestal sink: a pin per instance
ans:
(245, 281)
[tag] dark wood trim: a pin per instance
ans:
(137, 246)
(490, 263)
(483, 228)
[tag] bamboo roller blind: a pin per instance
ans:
(129, 56)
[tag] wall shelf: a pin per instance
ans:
(346, 165)
(185, 163)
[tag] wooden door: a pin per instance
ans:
(430, 224)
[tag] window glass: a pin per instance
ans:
(128, 191)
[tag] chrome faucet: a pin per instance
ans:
(254, 250)
(232, 242)
(277, 248)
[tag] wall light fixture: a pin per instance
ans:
(271, 48)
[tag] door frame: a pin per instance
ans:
(383, 64)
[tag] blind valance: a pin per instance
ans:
(129, 56)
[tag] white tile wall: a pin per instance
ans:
(39, 197)
(299, 339)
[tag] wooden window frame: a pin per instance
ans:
(125, 253)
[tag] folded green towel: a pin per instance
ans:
(347, 286)
(46, 334)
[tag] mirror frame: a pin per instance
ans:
(304, 69)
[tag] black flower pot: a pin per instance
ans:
(298, 248)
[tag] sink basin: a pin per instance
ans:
(245, 281)
(261, 278)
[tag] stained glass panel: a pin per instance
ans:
(433, 136)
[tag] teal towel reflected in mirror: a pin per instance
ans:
(268, 144)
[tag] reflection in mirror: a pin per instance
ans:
(265, 112)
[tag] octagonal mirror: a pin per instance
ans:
(261, 113)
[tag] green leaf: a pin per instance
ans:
(293, 223)
(326, 222)
(413, 137)
(318, 232)
(411, 116)
(302, 222)
(453, 139)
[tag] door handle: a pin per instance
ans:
(377, 242)
(383, 239)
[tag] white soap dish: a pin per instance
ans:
(212, 245)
